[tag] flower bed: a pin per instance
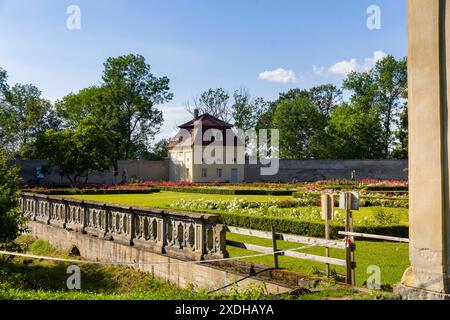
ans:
(92, 191)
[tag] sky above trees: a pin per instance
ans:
(265, 46)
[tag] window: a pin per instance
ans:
(204, 172)
(219, 173)
(188, 175)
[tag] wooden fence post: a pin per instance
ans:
(350, 246)
(274, 246)
(327, 214)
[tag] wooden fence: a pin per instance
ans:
(348, 202)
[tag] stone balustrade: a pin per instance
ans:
(189, 236)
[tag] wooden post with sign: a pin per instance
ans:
(349, 201)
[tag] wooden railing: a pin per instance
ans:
(189, 236)
(307, 241)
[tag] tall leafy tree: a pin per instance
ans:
(353, 132)
(213, 101)
(134, 91)
(24, 116)
(383, 88)
(400, 148)
(77, 152)
(300, 124)
(12, 223)
(246, 111)
(125, 104)
(325, 97)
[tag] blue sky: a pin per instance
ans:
(267, 46)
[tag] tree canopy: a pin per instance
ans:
(12, 223)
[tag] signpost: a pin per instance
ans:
(349, 201)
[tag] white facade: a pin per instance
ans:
(197, 158)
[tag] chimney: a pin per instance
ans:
(196, 114)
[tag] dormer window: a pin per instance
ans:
(180, 139)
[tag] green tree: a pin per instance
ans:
(325, 97)
(247, 111)
(159, 150)
(78, 153)
(300, 124)
(133, 92)
(400, 149)
(214, 102)
(125, 104)
(383, 88)
(352, 133)
(24, 115)
(12, 223)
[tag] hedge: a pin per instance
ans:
(236, 192)
(305, 228)
(67, 192)
(365, 201)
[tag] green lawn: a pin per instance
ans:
(163, 200)
(22, 279)
(392, 258)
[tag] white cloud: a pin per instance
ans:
(343, 68)
(377, 56)
(320, 71)
(279, 75)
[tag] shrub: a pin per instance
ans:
(12, 223)
(51, 192)
(383, 218)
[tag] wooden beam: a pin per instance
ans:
(289, 238)
(312, 257)
(373, 236)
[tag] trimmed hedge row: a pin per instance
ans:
(68, 192)
(305, 228)
(365, 201)
(243, 192)
(366, 188)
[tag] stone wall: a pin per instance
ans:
(176, 271)
(307, 170)
(314, 170)
(168, 244)
(135, 169)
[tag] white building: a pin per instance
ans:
(215, 155)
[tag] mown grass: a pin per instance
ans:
(392, 258)
(164, 199)
(23, 279)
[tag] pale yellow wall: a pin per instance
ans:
(182, 158)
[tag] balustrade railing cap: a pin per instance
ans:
(206, 217)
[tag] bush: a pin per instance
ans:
(12, 223)
(68, 192)
(241, 192)
(386, 218)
